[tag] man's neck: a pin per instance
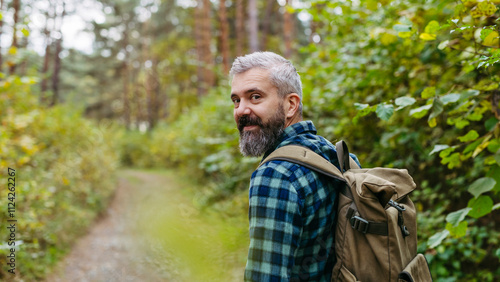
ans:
(293, 120)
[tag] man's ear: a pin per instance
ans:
(293, 103)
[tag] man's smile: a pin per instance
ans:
(250, 127)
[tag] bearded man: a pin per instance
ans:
(291, 208)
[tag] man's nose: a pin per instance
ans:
(243, 109)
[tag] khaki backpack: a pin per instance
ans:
(376, 232)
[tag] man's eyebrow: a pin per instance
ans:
(248, 91)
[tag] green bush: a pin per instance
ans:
(64, 176)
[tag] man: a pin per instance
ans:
(292, 208)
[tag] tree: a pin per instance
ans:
(240, 27)
(206, 77)
(1, 32)
(266, 23)
(253, 26)
(224, 35)
(58, 50)
(16, 5)
(287, 29)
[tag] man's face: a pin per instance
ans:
(258, 111)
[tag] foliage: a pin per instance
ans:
(64, 166)
(436, 60)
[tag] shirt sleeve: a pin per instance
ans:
(275, 221)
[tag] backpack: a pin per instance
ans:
(376, 231)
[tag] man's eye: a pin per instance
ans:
(255, 97)
(236, 101)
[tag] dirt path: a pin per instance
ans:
(152, 232)
(111, 251)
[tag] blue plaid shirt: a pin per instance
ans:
(292, 215)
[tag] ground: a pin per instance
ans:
(152, 232)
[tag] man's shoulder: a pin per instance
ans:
(277, 168)
(315, 143)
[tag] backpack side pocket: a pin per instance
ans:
(416, 271)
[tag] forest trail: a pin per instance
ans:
(144, 235)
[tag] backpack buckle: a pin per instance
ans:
(359, 224)
(396, 205)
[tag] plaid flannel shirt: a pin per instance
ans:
(292, 215)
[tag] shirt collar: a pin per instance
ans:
(301, 127)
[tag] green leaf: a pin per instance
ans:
(485, 142)
(496, 207)
(457, 231)
(420, 112)
(457, 216)
(480, 206)
(437, 108)
(461, 123)
(359, 106)
(385, 111)
(470, 136)
(481, 186)
(438, 148)
(25, 32)
(402, 27)
(472, 146)
(468, 94)
(453, 160)
(495, 174)
(404, 102)
(428, 92)
(485, 32)
(436, 239)
(491, 123)
(363, 110)
(432, 27)
(446, 152)
(450, 98)
(497, 253)
(475, 116)
(494, 146)
(497, 158)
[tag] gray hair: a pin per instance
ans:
(283, 74)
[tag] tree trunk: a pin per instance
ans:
(153, 90)
(224, 36)
(206, 76)
(240, 27)
(57, 57)
(266, 23)
(287, 30)
(45, 66)
(199, 46)
(1, 32)
(126, 75)
(16, 5)
(253, 26)
(207, 35)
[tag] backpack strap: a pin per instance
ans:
(305, 157)
(345, 160)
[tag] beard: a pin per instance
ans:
(256, 142)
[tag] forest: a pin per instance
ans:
(90, 88)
